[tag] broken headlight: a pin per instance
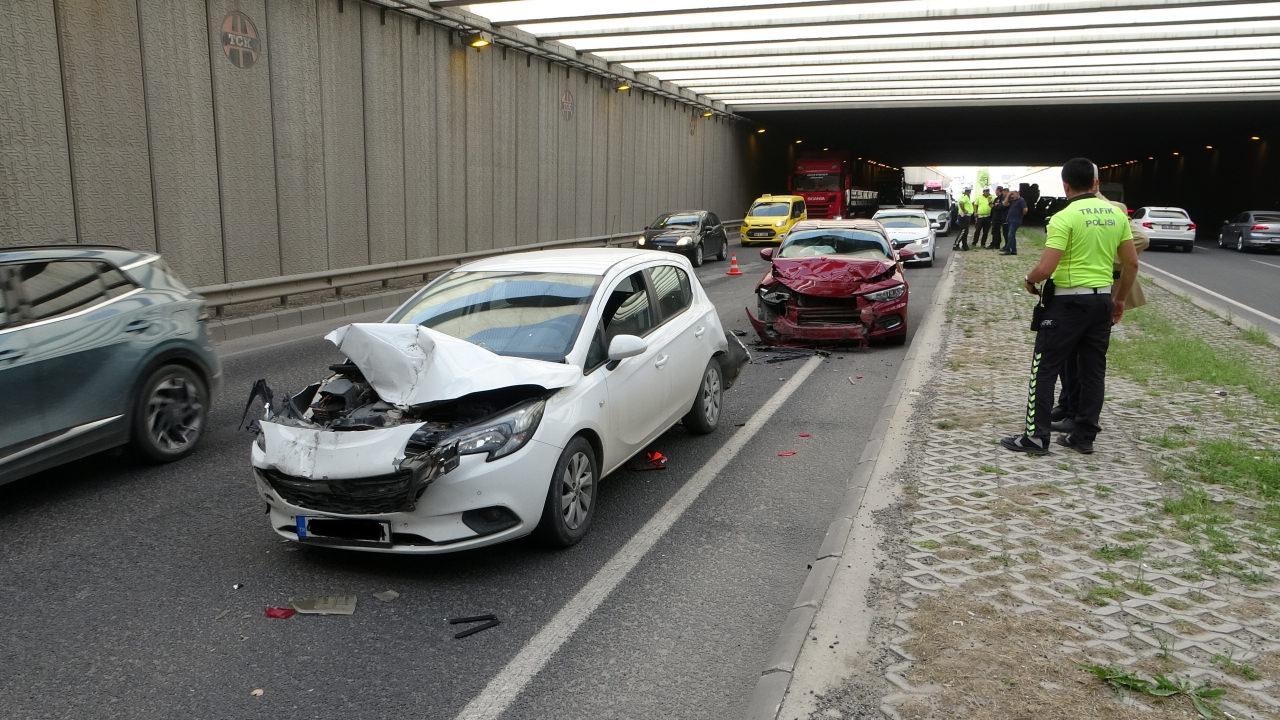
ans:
(774, 295)
(504, 434)
(892, 293)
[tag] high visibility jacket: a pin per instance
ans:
(984, 205)
(966, 205)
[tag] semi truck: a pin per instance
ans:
(827, 186)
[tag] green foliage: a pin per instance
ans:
(984, 179)
(1202, 697)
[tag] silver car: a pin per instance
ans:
(99, 347)
(1253, 230)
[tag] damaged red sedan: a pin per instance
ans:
(833, 281)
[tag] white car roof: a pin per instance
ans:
(577, 261)
(901, 211)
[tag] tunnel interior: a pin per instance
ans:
(1200, 156)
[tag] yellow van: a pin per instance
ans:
(771, 217)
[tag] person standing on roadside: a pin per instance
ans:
(965, 204)
(1013, 220)
(999, 209)
(1064, 413)
(983, 213)
(1082, 244)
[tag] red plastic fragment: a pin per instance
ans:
(657, 459)
(805, 435)
(280, 613)
(786, 453)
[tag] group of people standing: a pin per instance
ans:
(995, 220)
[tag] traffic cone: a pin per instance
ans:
(733, 265)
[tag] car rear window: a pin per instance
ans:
(1267, 217)
(1168, 214)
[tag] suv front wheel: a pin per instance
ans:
(169, 414)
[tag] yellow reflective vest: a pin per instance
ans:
(984, 205)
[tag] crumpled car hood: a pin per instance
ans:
(826, 276)
(410, 365)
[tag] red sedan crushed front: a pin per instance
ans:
(830, 299)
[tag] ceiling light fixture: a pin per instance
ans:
(624, 86)
(760, 131)
(479, 40)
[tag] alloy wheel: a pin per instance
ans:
(712, 394)
(174, 414)
(577, 490)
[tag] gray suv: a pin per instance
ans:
(99, 347)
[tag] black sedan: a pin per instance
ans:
(695, 233)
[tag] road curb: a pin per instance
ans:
(775, 680)
(1219, 309)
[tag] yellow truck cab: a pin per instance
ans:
(771, 217)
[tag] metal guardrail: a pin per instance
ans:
(246, 291)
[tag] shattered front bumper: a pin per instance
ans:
(805, 325)
(515, 486)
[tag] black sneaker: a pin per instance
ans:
(1065, 425)
(1024, 444)
(1083, 447)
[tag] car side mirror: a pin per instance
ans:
(905, 254)
(766, 254)
(625, 346)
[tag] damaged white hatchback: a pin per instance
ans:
(490, 404)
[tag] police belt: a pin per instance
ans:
(1058, 291)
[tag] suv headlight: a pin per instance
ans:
(780, 223)
(502, 435)
(892, 293)
(684, 240)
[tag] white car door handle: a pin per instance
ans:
(662, 361)
(699, 332)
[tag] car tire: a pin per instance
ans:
(724, 248)
(1189, 247)
(697, 257)
(1240, 243)
(571, 496)
(928, 263)
(170, 413)
(704, 416)
(1220, 243)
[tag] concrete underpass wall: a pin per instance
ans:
(355, 137)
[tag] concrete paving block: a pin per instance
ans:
(766, 699)
(333, 310)
(310, 314)
(816, 584)
(238, 328)
(354, 306)
(289, 318)
(215, 331)
(264, 323)
(795, 630)
(837, 535)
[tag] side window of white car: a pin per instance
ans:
(627, 310)
(672, 288)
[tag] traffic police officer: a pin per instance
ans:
(1083, 241)
(983, 203)
(966, 214)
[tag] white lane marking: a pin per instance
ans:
(503, 689)
(1264, 262)
(1209, 292)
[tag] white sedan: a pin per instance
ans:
(490, 404)
(1166, 226)
(910, 228)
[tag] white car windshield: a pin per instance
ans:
(770, 209)
(518, 314)
(835, 241)
(902, 221)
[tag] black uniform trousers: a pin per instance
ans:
(980, 232)
(997, 228)
(962, 240)
(1075, 330)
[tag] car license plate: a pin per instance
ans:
(321, 530)
(1170, 227)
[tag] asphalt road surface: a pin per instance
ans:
(118, 583)
(1246, 282)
